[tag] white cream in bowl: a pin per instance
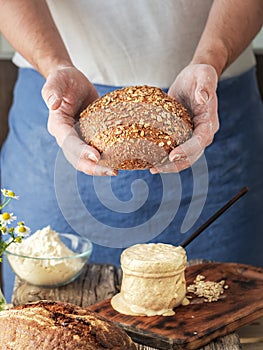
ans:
(43, 259)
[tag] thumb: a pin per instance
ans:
(53, 101)
(202, 96)
(52, 95)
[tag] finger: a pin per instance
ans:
(91, 168)
(60, 126)
(176, 166)
(206, 127)
(84, 157)
(167, 168)
(189, 152)
(184, 157)
(205, 110)
(192, 149)
(71, 86)
(172, 167)
(52, 92)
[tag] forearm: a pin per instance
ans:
(231, 26)
(30, 29)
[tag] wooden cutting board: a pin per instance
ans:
(197, 324)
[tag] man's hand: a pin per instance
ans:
(195, 87)
(67, 92)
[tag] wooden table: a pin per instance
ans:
(97, 283)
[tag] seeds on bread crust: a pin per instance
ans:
(142, 113)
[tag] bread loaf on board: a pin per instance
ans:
(135, 127)
(49, 325)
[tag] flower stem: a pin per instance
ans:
(5, 203)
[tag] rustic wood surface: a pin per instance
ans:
(195, 325)
(96, 284)
(251, 335)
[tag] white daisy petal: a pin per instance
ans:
(7, 218)
(22, 231)
(9, 193)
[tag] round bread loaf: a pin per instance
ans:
(50, 325)
(135, 127)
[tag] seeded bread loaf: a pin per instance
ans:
(49, 325)
(135, 127)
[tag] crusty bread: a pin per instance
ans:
(135, 127)
(49, 325)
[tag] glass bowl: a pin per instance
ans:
(53, 271)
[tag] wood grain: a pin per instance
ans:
(251, 335)
(197, 324)
(95, 284)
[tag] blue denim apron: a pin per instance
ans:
(136, 206)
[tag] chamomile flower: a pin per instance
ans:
(3, 230)
(7, 218)
(16, 234)
(21, 230)
(9, 194)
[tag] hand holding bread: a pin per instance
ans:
(195, 87)
(137, 127)
(66, 92)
